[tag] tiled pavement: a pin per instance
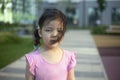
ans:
(89, 65)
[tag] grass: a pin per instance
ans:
(107, 40)
(13, 48)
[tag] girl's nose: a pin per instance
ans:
(55, 33)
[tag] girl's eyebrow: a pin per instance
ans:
(51, 27)
(48, 27)
(60, 28)
(54, 28)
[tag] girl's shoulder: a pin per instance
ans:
(68, 52)
(31, 58)
(70, 56)
(32, 53)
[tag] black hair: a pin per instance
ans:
(47, 16)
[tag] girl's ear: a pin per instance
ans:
(40, 32)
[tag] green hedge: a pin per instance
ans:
(7, 37)
(94, 29)
(98, 29)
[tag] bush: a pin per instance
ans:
(7, 37)
(5, 27)
(98, 30)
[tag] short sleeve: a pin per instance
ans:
(30, 60)
(72, 62)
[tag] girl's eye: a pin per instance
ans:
(48, 30)
(60, 30)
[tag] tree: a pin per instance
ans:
(4, 3)
(101, 7)
(3, 6)
(5, 10)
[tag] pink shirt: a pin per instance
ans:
(43, 70)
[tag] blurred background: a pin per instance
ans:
(79, 12)
(18, 19)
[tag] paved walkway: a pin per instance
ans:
(89, 65)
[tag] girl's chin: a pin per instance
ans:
(50, 46)
(54, 45)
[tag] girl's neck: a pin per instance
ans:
(53, 55)
(45, 49)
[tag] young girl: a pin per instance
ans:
(50, 62)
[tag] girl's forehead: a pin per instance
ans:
(54, 24)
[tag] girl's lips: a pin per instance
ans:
(53, 41)
(56, 39)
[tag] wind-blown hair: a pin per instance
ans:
(47, 16)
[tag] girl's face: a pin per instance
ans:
(52, 33)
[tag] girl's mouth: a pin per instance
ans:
(57, 39)
(53, 41)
